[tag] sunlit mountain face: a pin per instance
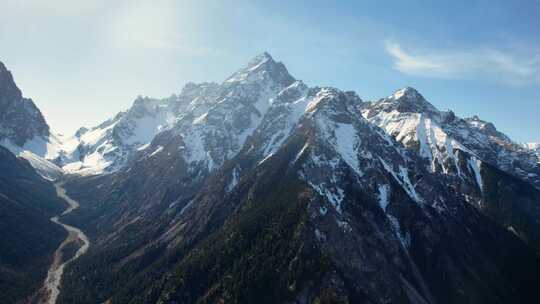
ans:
(263, 189)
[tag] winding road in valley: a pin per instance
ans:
(52, 284)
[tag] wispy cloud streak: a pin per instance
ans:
(486, 64)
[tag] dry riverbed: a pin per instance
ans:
(51, 286)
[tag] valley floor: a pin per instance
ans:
(51, 287)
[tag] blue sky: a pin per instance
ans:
(83, 61)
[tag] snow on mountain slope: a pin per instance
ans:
(532, 146)
(535, 147)
(262, 157)
(41, 152)
(24, 131)
(339, 138)
(47, 147)
(439, 135)
(107, 147)
(43, 166)
(213, 120)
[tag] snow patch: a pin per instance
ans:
(144, 129)
(143, 147)
(200, 119)
(403, 180)
(299, 154)
(43, 167)
(334, 197)
(405, 240)
(347, 143)
(408, 185)
(156, 151)
(383, 196)
(234, 180)
(189, 204)
(475, 165)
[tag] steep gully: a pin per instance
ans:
(52, 284)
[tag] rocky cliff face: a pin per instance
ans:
(20, 119)
(262, 189)
(23, 129)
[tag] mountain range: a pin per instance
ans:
(264, 189)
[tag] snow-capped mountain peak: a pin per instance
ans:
(215, 120)
(476, 122)
(342, 187)
(440, 136)
(407, 92)
(260, 59)
(410, 100)
(488, 128)
(263, 68)
(534, 147)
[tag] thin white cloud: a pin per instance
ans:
(152, 25)
(487, 64)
